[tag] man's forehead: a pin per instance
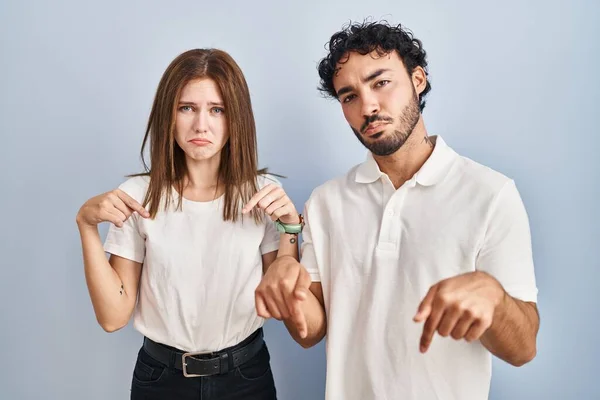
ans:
(352, 60)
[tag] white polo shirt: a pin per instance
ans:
(377, 251)
(199, 272)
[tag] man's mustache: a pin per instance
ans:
(373, 118)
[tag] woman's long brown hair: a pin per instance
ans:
(238, 167)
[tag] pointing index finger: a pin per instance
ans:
(132, 203)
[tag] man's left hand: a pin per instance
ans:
(462, 307)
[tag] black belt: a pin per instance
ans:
(206, 364)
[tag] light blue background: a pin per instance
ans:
(515, 87)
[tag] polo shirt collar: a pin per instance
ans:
(432, 172)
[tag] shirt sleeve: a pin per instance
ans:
(127, 242)
(506, 252)
(271, 239)
(308, 257)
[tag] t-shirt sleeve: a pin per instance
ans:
(308, 257)
(127, 242)
(271, 239)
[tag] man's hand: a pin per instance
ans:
(462, 307)
(282, 290)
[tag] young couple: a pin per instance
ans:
(414, 241)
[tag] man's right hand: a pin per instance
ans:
(282, 291)
(114, 206)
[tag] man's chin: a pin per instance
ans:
(382, 148)
(376, 135)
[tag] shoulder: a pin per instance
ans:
(267, 179)
(484, 177)
(334, 188)
(136, 187)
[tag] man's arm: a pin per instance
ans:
(313, 313)
(495, 303)
(512, 335)
(475, 306)
(304, 319)
(286, 293)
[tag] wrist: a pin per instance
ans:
(286, 256)
(291, 219)
(501, 298)
(502, 303)
(286, 227)
(495, 292)
(84, 226)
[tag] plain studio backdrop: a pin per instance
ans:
(515, 87)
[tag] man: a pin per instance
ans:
(415, 240)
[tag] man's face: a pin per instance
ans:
(378, 99)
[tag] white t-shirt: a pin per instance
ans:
(199, 272)
(377, 251)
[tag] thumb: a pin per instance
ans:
(261, 307)
(426, 305)
(302, 284)
(299, 319)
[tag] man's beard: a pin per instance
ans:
(393, 141)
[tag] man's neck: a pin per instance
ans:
(404, 163)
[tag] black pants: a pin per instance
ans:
(253, 380)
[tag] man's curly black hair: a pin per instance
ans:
(365, 38)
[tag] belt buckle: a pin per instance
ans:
(184, 364)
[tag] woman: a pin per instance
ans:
(187, 242)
